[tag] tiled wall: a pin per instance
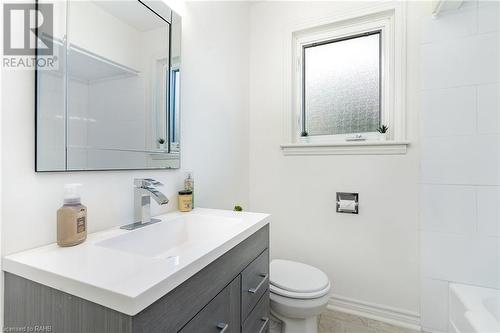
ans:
(106, 114)
(50, 114)
(460, 168)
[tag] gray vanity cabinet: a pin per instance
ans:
(230, 295)
(222, 313)
(254, 283)
(258, 319)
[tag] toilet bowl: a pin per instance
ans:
(299, 293)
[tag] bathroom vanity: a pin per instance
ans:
(204, 271)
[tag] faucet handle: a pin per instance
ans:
(153, 182)
(146, 182)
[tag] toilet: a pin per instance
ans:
(299, 293)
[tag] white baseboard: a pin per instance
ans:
(393, 316)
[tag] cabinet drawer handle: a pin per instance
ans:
(265, 320)
(264, 279)
(223, 327)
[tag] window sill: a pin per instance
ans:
(159, 155)
(346, 148)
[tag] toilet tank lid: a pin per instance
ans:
(297, 277)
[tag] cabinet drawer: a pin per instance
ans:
(254, 283)
(258, 320)
(222, 314)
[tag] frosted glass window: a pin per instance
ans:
(341, 92)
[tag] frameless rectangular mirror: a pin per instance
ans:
(112, 102)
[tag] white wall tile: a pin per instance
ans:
(488, 108)
(470, 259)
(451, 24)
(488, 205)
(448, 111)
(482, 3)
(460, 160)
(466, 61)
(51, 115)
(459, 149)
(448, 208)
(77, 158)
(119, 102)
(434, 305)
(487, 15)
(78, 108)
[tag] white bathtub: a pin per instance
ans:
(474, 309)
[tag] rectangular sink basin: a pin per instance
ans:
(170, 236)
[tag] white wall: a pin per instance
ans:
(371, 257)
(215, 61)
(460, 127)
(214, 137)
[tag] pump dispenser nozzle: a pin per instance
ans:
(71, 195)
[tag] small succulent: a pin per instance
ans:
(382, 129)
(161, 141)
(238, 208)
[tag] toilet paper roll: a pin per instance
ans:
(347, 205)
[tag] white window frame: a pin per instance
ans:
(390, 20)
(337, 34)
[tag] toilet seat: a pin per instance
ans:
(297, 295)
(297, 280)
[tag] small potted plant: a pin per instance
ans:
(161, 142)
(383, 132)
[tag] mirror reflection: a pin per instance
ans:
(114, 102)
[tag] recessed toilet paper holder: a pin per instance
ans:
(347, 203)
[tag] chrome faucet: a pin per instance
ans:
(144, 190)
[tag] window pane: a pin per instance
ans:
(342, 86)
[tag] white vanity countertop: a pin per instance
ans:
(129, 270)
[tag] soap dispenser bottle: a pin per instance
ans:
(71, 218)
(189, 186)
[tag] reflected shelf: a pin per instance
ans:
(87, 66)
(91, 67)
